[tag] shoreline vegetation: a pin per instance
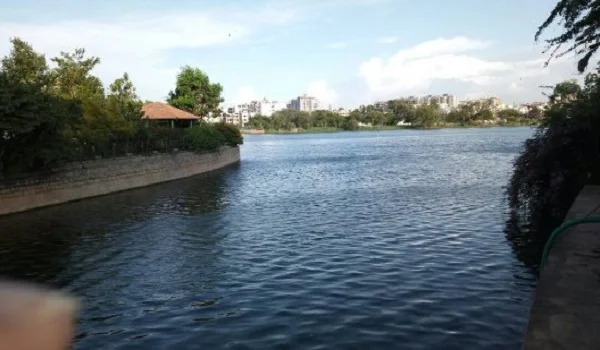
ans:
(391, 115)
(57, 112)
(563, 155)
(326, 130)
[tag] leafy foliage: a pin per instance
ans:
(49, 116)
(562, 157)
(195, 93)
(34, 124)
(231, 134)
(427, 116)
(203, 137)
(564, 153)
(581, 22)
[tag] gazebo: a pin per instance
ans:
(165, 113)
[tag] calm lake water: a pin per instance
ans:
(370, 240)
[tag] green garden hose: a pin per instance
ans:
(562, 228)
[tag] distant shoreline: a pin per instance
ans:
(329, 130)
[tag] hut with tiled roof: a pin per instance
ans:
(165, 114)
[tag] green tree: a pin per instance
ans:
(580, 20)
(565, 91)
(34, 124)
(426, 116)
(72, 77)
(25, 66)
(484, 114)
(402, 110)
(195, 93)
(123, 101)
(564, 154)
(510, 115)
(561, 158)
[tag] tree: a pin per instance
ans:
(124, 104)
(483, 115)
(510, 115)
(34, 124)
(426, 116)
(561, 158)
(352, 125)
(581, 22)
(565, 91)
(195, 93)
(72, 77)
(25, 66)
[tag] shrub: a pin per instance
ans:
(203, 137)
(231, 134)
(561, 158)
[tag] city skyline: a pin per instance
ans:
(345, 53)
(446, 100)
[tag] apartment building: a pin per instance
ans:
(237, 119)
(266, 108)
(342, 112)
(304, 103)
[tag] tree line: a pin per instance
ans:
(393, 113)
(51, 115)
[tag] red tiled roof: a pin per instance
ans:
(163, 111)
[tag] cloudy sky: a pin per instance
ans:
(346, 52)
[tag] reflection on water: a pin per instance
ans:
(354, 240)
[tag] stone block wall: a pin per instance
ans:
(94, 178)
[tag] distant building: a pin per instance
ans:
(213, 118)
(342, 112)
(266, 108)
(304, 103)
(237, 119)
(447, 102)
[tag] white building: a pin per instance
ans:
(214, 119)
(342, 112)
(304, 103)
(446, 101)
(237, 119)
(247, 109)
(266, 108)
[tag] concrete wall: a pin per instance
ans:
(94, 178)
(566, 309)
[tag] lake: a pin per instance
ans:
(364, 240)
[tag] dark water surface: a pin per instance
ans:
(371, 240)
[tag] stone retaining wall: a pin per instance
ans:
(94, 178)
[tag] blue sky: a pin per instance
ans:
(346, 52)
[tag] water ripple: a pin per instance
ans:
(379, 240)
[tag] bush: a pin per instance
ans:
(231, 134)
(203, 137)
(561, 158)
(352, 125)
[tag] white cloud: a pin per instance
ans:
(140, 44)
(457, 62)
(417, 67)
(337, 45)
(387, 40)
(321, 90)
(245, 94)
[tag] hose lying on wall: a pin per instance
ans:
(562, 228)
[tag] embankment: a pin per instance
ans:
(566, 309)
(95, 178)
